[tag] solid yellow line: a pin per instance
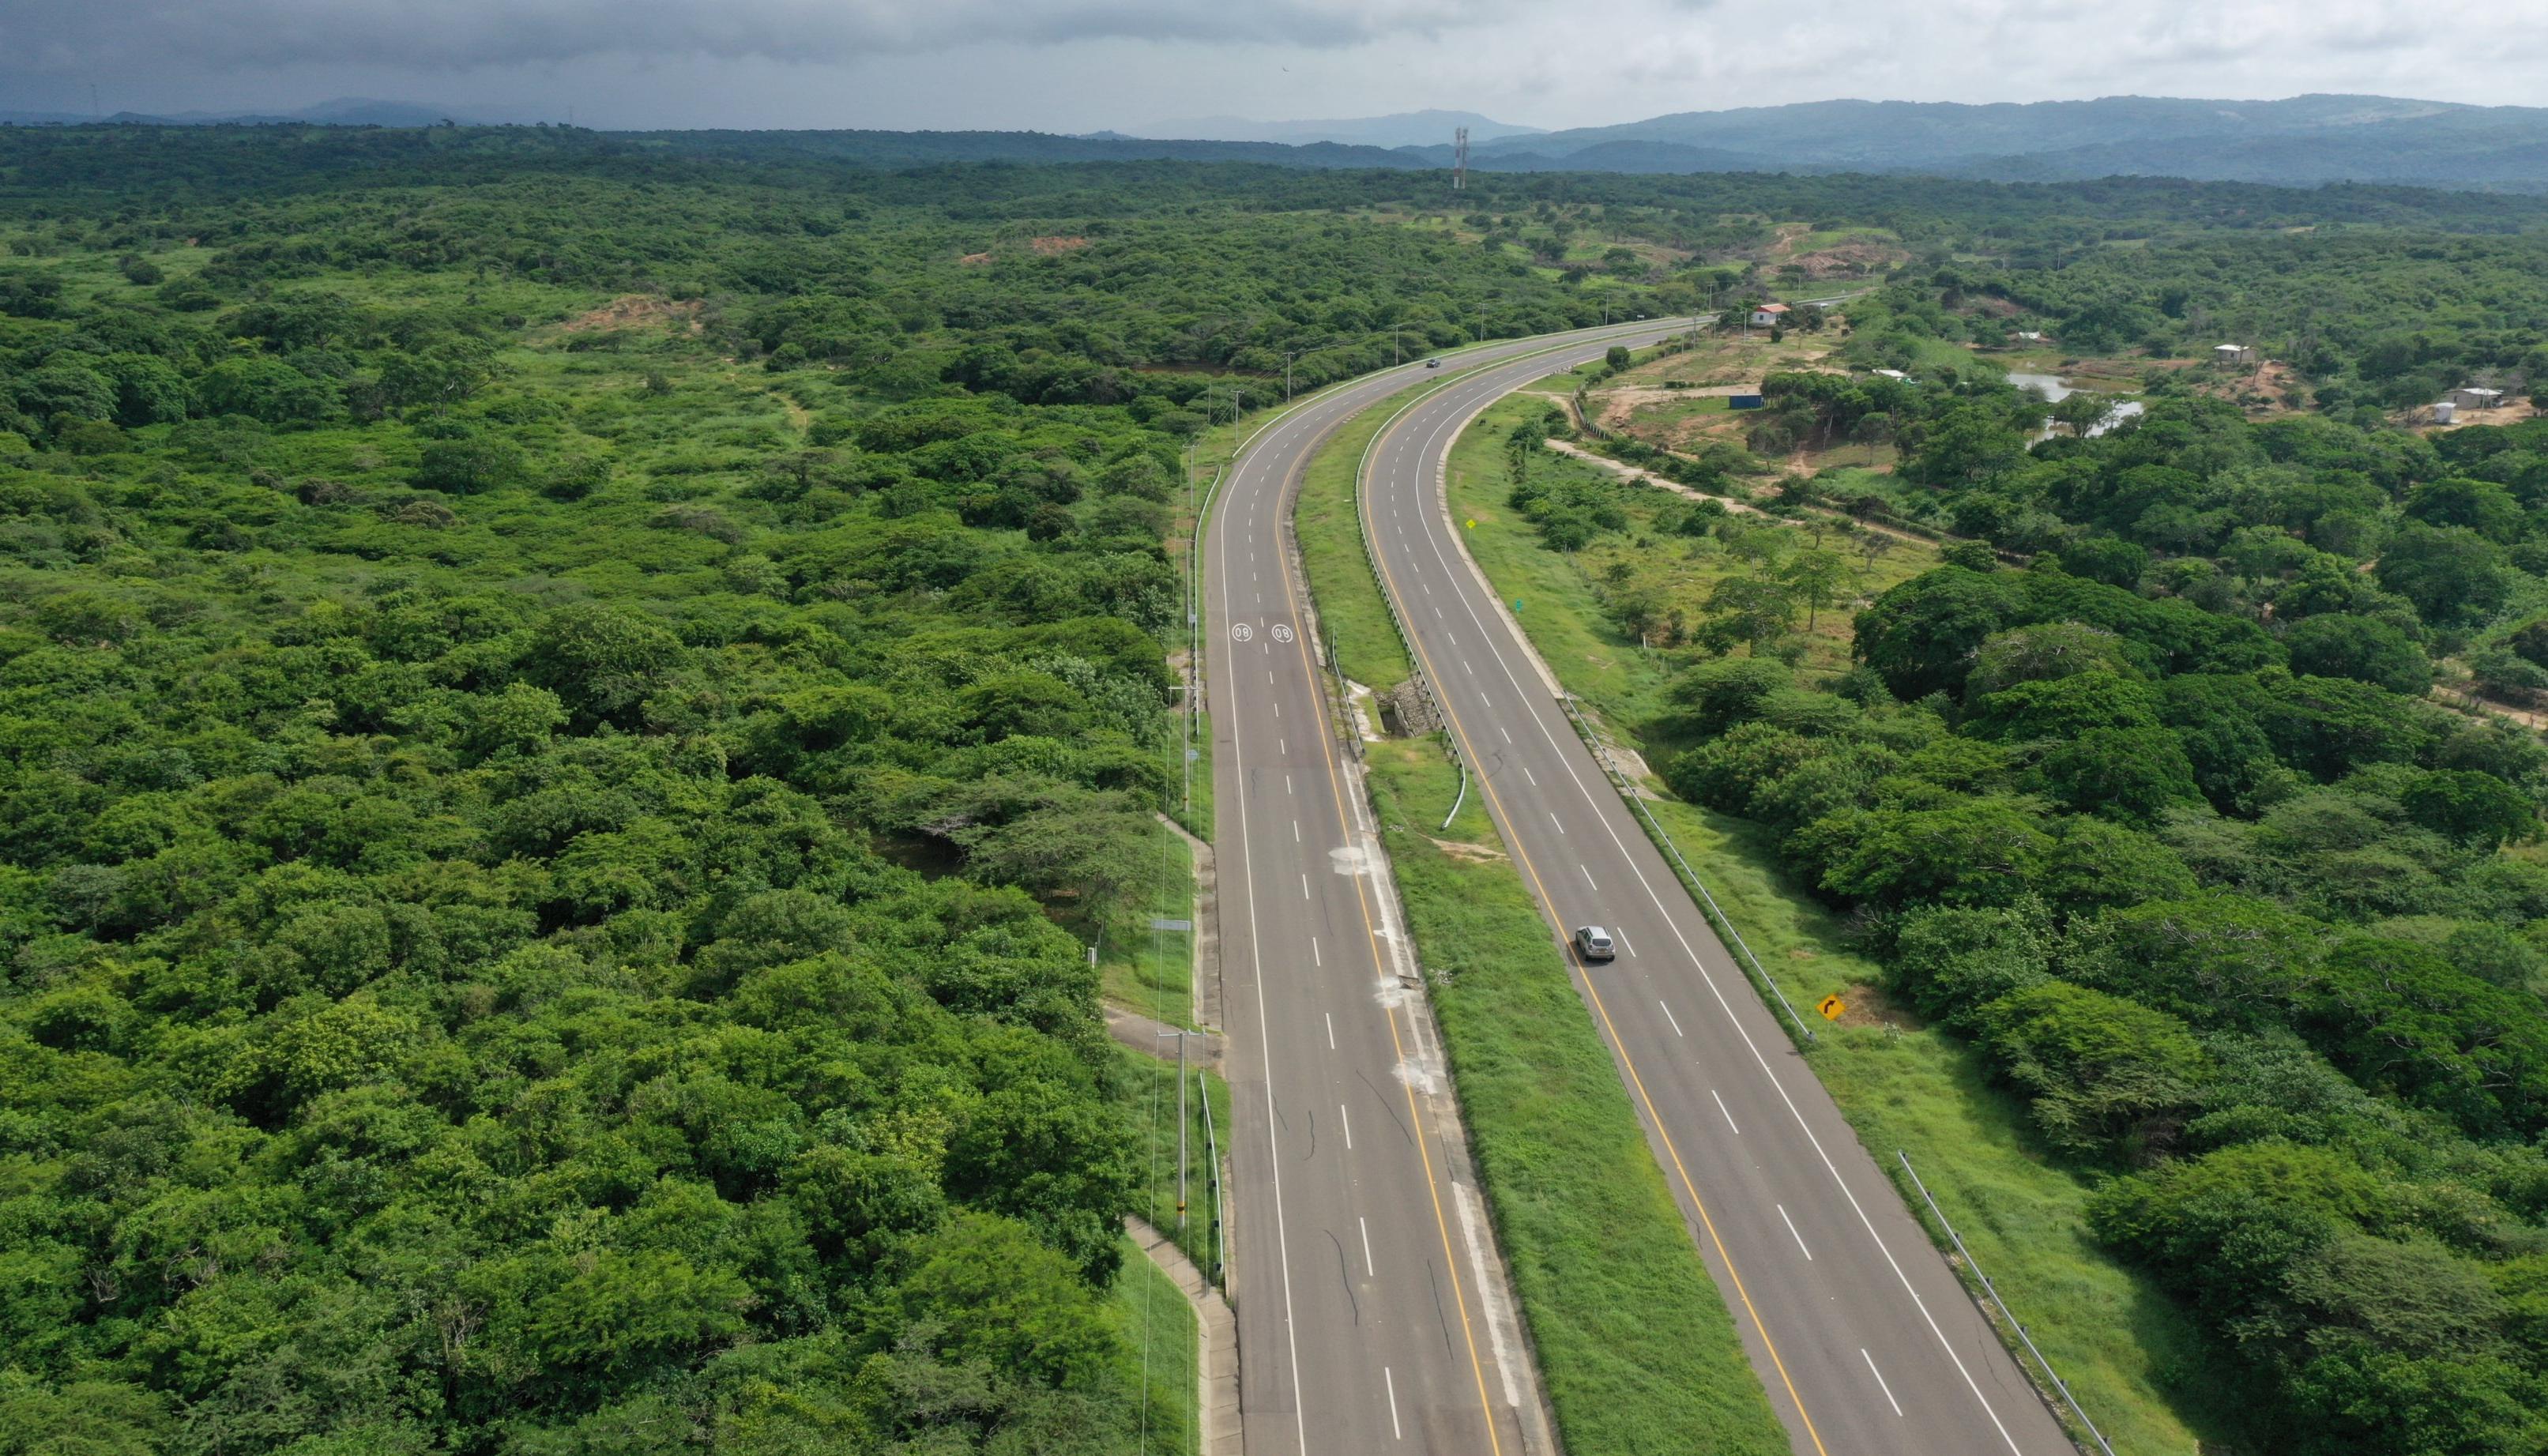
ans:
(1549, 905)
(1371, 940)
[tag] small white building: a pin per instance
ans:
(1894, 374)
(2445, 412)
(2470, 397)
(2031, 335)
(1769, 316)
(2233, 354)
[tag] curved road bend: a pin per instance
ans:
(1862, 1336)
(1363, 1317)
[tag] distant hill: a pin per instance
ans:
(344, 111)
(2300, 140)
(1402, 128)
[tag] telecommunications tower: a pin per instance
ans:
(1459, 159)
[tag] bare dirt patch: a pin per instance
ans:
(1849, 260)
(1872, 1006)
(974, 260)
(2263, 392)
(1052, 243)
(635, 310)
(1463, 849)
(2422, 423)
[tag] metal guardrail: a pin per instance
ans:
(1992, 1290)
(1219, 1197)
(1763, 981)
(1461, 797)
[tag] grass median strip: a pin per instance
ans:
(1635, 1347)
(1350, 608)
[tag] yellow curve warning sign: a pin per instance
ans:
(1831, 1008)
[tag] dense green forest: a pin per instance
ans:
(568, 706)
(2164, 821)
(563, 739)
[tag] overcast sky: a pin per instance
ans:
(1082, 64)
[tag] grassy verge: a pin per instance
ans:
(1147, 971)
(2130, 1356)
(1148, 1093)
(1161, 1344)
(1197, 817)
(1350, 608)
(1636, 1349)
(1560, 610)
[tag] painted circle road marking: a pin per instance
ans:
(1282, 633)
(1240, 632)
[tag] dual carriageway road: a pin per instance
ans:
(1373, 1315)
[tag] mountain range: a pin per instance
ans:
(2301, 140)
(344, 111)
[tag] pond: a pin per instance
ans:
(2056, 389)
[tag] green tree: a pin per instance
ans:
(1750, 610)
(2133, 774)
(1921, 635)
(1816, 575)
(1981, 852)
(2365, 648)
(2453, 575)
(2476, 809)
(986, 1291)
(468, 467)
(2105, 1076)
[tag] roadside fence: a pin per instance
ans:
(1991, 1291)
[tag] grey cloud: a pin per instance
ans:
(57, 35)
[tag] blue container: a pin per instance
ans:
(1743, 402)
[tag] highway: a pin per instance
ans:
(1373, 1316)
(1864, 1338)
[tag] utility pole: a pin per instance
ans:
(1182, 1080)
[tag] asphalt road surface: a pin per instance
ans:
(1365, 1278)
(1864, 1338)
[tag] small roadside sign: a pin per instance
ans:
(1167, 924)
(1831, 1007)
(1473, 522)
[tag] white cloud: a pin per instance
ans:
(462, 34)
(1080, 64)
